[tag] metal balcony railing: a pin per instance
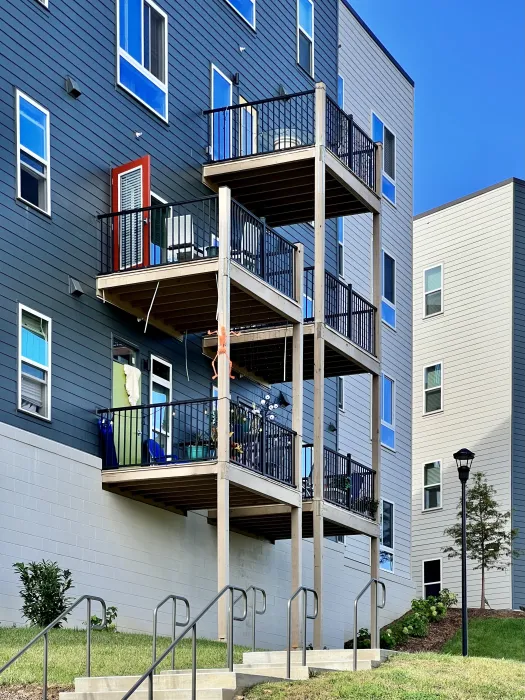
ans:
(284, 123)
(347, 483)
(346, 311)
(176, 232)
(179, 432)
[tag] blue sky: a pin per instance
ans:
(467, 58)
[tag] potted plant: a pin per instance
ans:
(198, 450)
(212, 251)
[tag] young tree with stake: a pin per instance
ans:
(489, 532)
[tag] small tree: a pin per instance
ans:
(44, 588)
(489, 535)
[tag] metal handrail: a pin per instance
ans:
(255, 589)
(192, 626)
(304, 591)
(153, 207)
(45, 632)
(244, 105)
(174, 599)
(356, 601)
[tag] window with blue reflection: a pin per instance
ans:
(306, 17)
(387, 412)
(382, 134)
(246, 8)
(221, 91)
(341, 91)
(142, 68)
(308, 307)
(388, 303)
(33, 129)
(34, 339)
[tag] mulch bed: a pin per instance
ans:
(440, 632)
(31, 692)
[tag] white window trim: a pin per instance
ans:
(430, 583)
(45, 3)
(213, 68)
(388, 550)
(45, 162)
(440, 409)
(252, 111)
(122, 52)
(440, 484)
(311, 38)
(341, 246)
(167, 384)
(392, 180)
(392, 425)
(383, 298)
(341, 394)
(243, 17)
(437, 313)
(47, 369)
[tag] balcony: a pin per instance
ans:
(160, 263)
(348, 506)
(166, 455)
(265, 151)
(349, 333)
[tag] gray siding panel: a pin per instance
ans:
(96, 132)
(518, 394)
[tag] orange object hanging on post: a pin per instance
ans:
(221, 349)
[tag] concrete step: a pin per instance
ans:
(299, 672)
(313, 656)
(178, 680)
(180, 694)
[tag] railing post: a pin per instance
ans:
(88, 638)
(351, 142)
(230, 630)
(263, 249)
(349, 311)
(44, 679)
(350, 488)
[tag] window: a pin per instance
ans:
(434, 290)
(433, 388)
(386, 537)
(123, 353)
(142, 60)
(246, 9)
(34, 363)
(341, 393)
(341, 91)
(305, 35)
(341, 246)
(432, 485)
(431, 577)
(388, 398)
(33, 178)
(382, 134)
(308, 307)
(221, 96)
(248, 135)
(388, 302)
(160, 393)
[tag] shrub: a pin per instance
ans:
(448, 598)
(111, 616)
(363, 639)
(431, 608)
(417, 624)
(44, 588)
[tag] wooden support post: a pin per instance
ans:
(223, 407)
(297, 426)
(319, 318)
(376, 393)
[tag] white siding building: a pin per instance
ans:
(467, 392)
(375, 85)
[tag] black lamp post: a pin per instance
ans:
(464, 462)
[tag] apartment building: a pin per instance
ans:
(194, 312)
(468, 390)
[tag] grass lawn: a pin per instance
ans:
(410, 677)
(112, 654)
(499, 638)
